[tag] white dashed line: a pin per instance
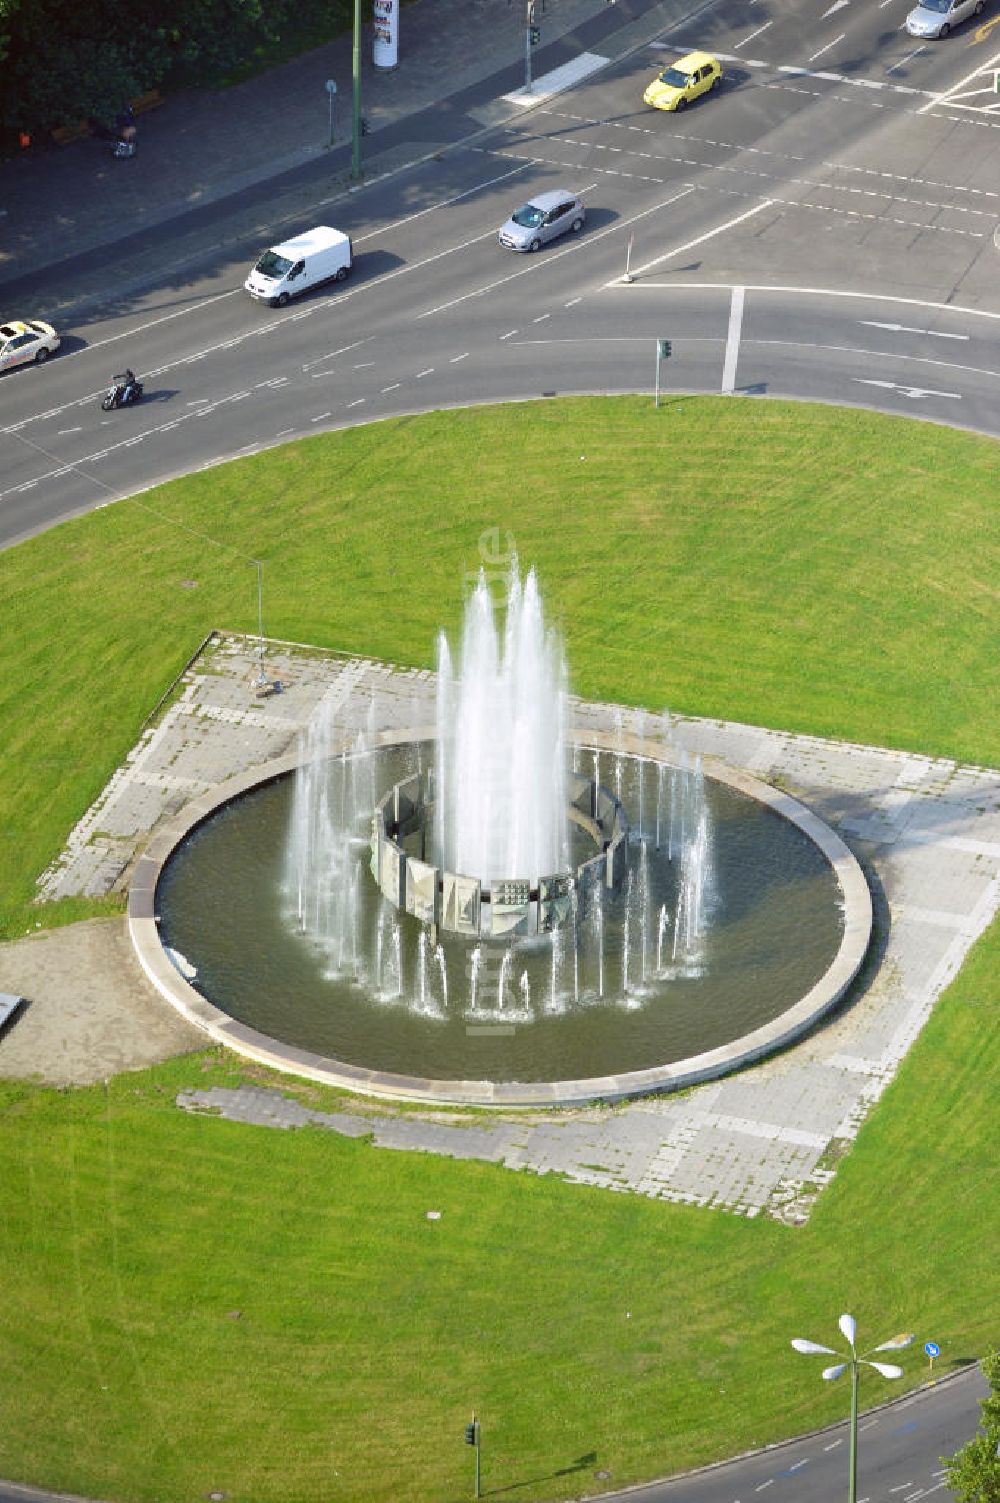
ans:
(421, 374)
(456, 358)
(754, 34)
(828, 46)
(393, 387)
(322, 416)
(509, 335)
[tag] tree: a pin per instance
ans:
(974, 1470)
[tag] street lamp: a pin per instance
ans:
(848, 1328)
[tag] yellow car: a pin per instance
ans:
(683, 81)
(25, 340)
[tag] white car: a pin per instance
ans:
(23, 341)
(935, 18)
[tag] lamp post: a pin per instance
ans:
(848, 1329)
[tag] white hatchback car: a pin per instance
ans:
(23, 341)
(935, 18)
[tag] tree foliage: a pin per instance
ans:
(61, 63)
(974, 1470)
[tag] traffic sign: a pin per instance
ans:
(932, 1349)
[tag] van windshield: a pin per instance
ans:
(271, 265)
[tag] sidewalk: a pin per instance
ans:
(205, 148)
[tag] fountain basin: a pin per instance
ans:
(803, 1012)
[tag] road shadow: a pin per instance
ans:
(581, 1464)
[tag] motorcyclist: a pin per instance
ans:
(128, 385)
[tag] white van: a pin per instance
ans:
(319, 255)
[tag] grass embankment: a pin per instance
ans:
(812, 569)
(806, 568)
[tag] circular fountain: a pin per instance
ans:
(492, 910)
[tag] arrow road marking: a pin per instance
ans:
(874, 323)
(916, 392)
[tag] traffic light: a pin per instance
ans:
(535, 33)
(666, 349)
(470, 1434)
(364, 126)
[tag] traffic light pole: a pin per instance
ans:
(528, 23)
(356, 77)
(664, 350)
(472, 1438)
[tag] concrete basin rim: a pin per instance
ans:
(749, 1048)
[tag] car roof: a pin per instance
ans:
(692, 60)
(549, 199)
(15, 326)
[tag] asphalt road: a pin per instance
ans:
(822, 227)
(899, 1456)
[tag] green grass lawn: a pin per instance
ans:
(824, 571)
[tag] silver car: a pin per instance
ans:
(935, 18)
(542, 219)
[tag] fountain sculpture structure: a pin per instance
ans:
(468, 901)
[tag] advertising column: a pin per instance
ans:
(385, 46)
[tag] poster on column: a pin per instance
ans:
(385, 47)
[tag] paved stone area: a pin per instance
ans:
(90, 1013)
(763, 1141)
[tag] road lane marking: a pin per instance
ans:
(322, 416)
(421, 374)
(754, 34)
(943, 98)
(443, 203)
(509, 335)
(570, 250)
(732, 342)
(456, 358)
(334, 353)
(907, 59)
(874, 323)
(699, 240)
(827, 47)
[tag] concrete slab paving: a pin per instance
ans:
(765, 1141)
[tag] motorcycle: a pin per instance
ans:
(124, 393)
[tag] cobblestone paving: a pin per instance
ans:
(764, 1141)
